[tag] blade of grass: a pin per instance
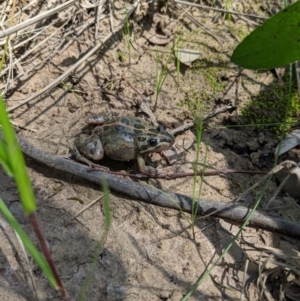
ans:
(199, 129)
(40, 260)
(4, 160)
(18, 168)
(17, 162)
(207, 273)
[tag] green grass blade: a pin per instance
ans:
(4, 159)
(40, 260)
(17, 162)
(273, 44)
(107, 208)
(201, 279)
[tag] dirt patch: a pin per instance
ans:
(150, 252)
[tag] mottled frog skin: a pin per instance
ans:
(122, 139)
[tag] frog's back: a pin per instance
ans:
(118, 137)
(129, 125)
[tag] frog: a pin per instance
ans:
(123, 139)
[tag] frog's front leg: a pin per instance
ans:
(88, 147)
(147, 170)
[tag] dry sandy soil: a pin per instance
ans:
(150, 252)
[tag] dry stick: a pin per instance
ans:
(10, 73)
(155, 196)
(207, 173)
(35, 19)
(288, 165)
(185, 13)
(29, 267)
(20, 11)
(39, 65)
(244, 280)
(34, 48)
(39, 31)
(89, 205)
(248, 20)
(89, 22)
(76, 65)
(220, 9)
(220, 41)
(31, 50)
(112, 94)
(279, 188)
(273, 171)
(145, 103)
(209, 115)
(177, 175)
(98, 14)
(111, 20)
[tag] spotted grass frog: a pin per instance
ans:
(122, 139)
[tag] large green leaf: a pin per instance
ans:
(273, 44)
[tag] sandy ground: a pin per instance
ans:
(150, 252)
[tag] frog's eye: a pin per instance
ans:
(153, 142)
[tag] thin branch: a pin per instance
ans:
(151, 195)
(209, 115)
(98, 14)
(219, 9)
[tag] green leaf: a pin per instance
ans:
(40, 260)
(273, 44)
(16, 162)
(4, 158)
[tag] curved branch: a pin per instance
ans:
(157, 197)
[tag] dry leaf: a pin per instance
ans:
(288, 143)
(187, 56)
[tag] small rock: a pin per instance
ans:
(115, 291)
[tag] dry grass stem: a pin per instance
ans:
(35, 19)
(219, 9)
(76, 65)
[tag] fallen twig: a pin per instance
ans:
(177, 175)
(209, 115)
(151, 195)
(220, 9)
